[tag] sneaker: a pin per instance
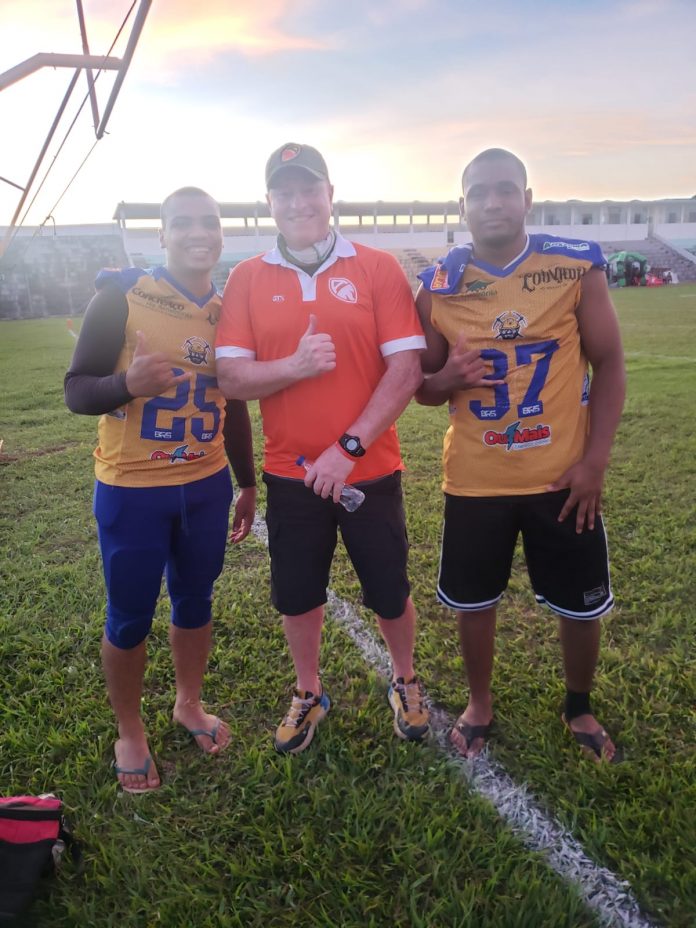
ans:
(411, 718)
(296, 731)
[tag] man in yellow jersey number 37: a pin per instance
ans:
(326, 335)
(512, 321)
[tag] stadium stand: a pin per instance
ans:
(659, 254)
(414, 260)
(53, 273)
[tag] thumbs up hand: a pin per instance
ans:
(465, 367)
(315, 353)
(150, 372)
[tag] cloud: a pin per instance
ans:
(642, 8)
(398, 94)
(175, 37)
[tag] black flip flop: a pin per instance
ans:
(471, 732)
(592, 743)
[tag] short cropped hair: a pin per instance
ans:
(496, 154)
(182, 192)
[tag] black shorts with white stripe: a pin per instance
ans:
(569, 572)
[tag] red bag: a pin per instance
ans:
(33, 835)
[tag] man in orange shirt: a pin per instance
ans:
(324, 332)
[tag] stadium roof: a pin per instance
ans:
(260, 209)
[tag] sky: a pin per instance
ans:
(598, 98)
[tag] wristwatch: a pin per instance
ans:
(351, 445)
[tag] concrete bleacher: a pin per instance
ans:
(53, 273)
(659, 254)
(414, 260)
(50, 275)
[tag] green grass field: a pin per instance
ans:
(361, 830)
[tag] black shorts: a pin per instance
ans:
(302, 534)
(569, 572)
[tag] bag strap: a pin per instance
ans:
(74, 847)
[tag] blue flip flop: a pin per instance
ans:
(138, 772)
(210, 732)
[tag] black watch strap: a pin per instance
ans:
(351, 445)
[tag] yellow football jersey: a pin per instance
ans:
(517, 437)
(176, 437)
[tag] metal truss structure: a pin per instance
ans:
(86, 62)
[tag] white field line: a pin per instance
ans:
(609, 897)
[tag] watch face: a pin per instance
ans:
(351, 445)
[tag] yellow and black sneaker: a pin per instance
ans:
(411, 718)
(296, 731)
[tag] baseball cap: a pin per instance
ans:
(297, 156)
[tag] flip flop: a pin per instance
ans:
(209, 732)
(471, 732)
(592, 744)
(138, 772)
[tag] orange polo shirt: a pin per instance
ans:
(362, 299)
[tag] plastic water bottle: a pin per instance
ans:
(350, 498)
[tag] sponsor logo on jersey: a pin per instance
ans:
(571, 246)
(516, 439)
(477, 289)
(509, 325)
(196, 350)
(477, 286)
(343, 289)
(178, 454)
(161, 303)
(554, 276)
(440, 279)
(590, 597)
(278, 298)
(214, 316)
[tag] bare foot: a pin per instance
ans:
(134, 766)
(592, 738)
(471, 730)
(211, 733)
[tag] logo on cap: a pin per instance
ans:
(289, 152)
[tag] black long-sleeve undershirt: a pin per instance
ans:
(92, 388)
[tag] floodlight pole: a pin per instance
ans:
(79, 62)
(42, 154)
(51, 60)
(88, 71)
(138, 24)
(11, 183)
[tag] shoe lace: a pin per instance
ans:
(410, 693)
(298, 710)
